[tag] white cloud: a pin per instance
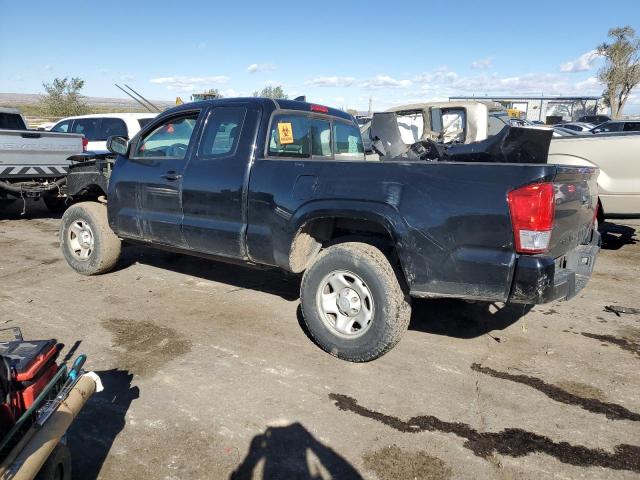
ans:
(445, 83)
(385, 81)
(331, 81)
(260, 67)
(581, 64)
(482, 63)
(189, 84)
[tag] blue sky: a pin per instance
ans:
(336, 52)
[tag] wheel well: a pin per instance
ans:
(600, 212)
(90, 191)
(322, 232)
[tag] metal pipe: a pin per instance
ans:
(144, 105)
(31, 459)
(147, 101)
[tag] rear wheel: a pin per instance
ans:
(57, 466)
(88, 244)
(353, 303)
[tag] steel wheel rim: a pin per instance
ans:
(345, 303)
(80, 240)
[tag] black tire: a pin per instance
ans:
(55, 204)
(57, 466)
(391, 310)
(103, 252)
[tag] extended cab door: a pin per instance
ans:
(147, 186)
(216, 178)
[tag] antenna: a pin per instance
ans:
(139, 101)
(147, 101)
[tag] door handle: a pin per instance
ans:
(171, 176)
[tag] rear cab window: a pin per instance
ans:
(11, 121)
(300, 135)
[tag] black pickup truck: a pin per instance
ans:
(286, 184)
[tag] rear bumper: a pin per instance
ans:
(543, 279)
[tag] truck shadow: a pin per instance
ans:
(460, 319)
(615, 236)
(292, 452)
(272, 281)
(100, 421)
(27, 210)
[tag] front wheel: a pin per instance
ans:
(352, 302)
(88, 244)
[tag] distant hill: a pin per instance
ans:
(28, 103)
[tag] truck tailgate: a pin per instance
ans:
(29, 153)
(576, 194)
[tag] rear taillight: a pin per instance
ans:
(532, 210)
(85, 143)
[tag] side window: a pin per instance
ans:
(347, 142)
(632, 127)
(113, 127)
(222, 132)
(411, 126)
(495, 124)
(62, 127)
(169, 140)
(299, 136)
(89, 127)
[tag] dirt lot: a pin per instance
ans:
(208, 374)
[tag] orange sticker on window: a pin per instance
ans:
(285, 132)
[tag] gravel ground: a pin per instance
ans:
(209, 374)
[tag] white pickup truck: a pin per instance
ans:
(33, 164)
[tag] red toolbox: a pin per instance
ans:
(32, 365)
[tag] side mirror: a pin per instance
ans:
(118, 145)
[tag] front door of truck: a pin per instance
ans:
(159, 158)
(214, 184)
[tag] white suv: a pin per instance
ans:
(98, 127)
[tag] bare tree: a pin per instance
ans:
(271, 92)
(621, 72)
(63, 97)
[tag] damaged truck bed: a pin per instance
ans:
(285, 184)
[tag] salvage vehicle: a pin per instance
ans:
(284, 183)
(33, 164)
(617, 126)
(40, 400)
(616, 155)
(96, 128)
